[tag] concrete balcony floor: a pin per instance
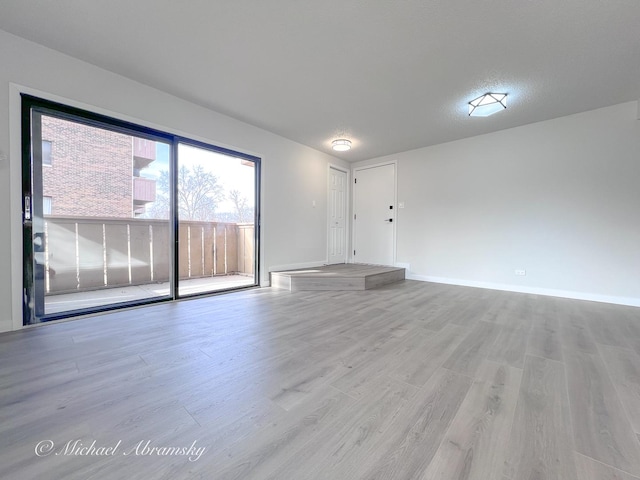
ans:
(95, 298)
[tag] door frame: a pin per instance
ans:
(355, 171)
(27, 100)
(347, 210)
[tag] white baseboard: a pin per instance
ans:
(630, 301)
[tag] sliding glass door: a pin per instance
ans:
(116, 214)
(216, 212)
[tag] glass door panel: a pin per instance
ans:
(216, 195)
(100, 230)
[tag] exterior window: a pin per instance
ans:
(47, 203)
(46, 152)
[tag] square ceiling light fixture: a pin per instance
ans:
(487, 104)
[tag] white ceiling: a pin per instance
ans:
(390, 75)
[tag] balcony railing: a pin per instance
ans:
(92, 253)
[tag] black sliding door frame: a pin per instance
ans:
(32, 212)
(256, 216)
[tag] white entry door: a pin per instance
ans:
(374, 215)
(337, 216)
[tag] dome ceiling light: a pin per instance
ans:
(341, 145)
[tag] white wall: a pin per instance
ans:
(560, 199)
(293, 176)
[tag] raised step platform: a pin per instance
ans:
(337, 277)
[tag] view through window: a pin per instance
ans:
(101, 230)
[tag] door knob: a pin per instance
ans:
(389, 220)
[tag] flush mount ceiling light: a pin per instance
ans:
(487, 104)
(341, 145)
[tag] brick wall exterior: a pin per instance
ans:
(91, 170)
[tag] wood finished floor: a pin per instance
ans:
(409, 381)
(339, 277)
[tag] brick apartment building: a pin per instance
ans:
(92, 172)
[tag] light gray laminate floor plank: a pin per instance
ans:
(436, 317)
(541, 443)
(508, 309)
(466, 358)
(409, 446)
(356, 381)
(510, 346)
(417, 368)
(590, 469)
(475, 444)
(634, 343)
(471, 311)
(63, 400)
(272, 445)
(624, 369)
(575, 336)
(606, 327)
(234, 424)
(345, 445)
(376, 330)
(302, 375)
(601, 429)
(544, 340)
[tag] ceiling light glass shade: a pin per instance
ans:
(341, 145)
(487, 104)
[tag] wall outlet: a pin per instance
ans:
(521, 273)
